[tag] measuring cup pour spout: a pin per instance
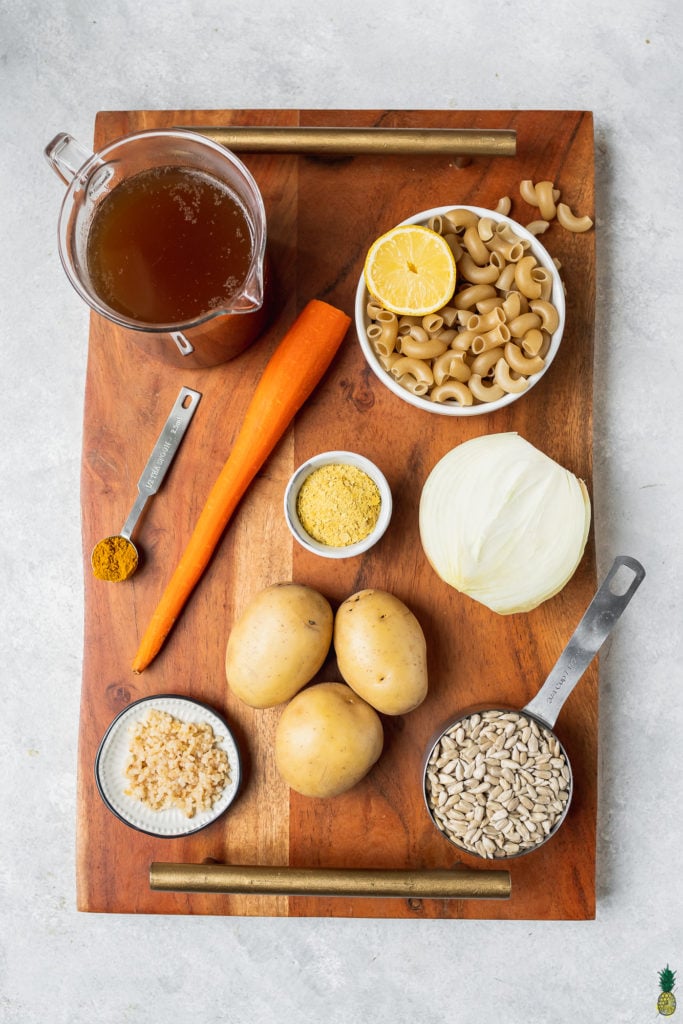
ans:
(251, 297)
(600, 617)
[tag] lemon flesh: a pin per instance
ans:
(410, 270)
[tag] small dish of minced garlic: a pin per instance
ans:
(168, 766)
(338, 504)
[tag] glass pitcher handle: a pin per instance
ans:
(66, 156)
(185, 346)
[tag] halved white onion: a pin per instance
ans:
(503, 522)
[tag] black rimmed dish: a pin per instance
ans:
(112, 757)
(450, 408)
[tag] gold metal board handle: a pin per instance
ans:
(289, 881)
(354, 141)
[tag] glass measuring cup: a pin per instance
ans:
(233, 320)
(540, 782)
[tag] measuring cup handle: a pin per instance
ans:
(185, 346)
(596, 625)
(66, 156)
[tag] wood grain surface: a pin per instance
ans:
(323, 213)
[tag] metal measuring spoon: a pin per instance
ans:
(115, 558)
(485, 837)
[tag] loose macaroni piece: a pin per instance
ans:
(527, 191)
(538, 227)
(546, 202)
(569, 221)
(546, 197)
(494, 334)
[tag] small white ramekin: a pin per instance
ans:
(337, 458)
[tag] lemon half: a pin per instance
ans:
(410, 270)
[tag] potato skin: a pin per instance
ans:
(278, 643)
(381, 651)
(327, 740)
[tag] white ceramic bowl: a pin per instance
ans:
(112, 757)
(442, 409)
(336, 458)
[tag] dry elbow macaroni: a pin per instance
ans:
(546, 197)
(497, 329)
(493, 335)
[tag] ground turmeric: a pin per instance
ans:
(114, 559)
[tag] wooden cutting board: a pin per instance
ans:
(322, 215)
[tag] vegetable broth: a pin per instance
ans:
(168, 245)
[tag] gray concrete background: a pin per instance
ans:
(59, 64)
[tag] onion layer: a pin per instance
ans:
(503, 522)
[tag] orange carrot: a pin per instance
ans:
(294, 369)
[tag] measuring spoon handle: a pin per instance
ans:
(162, 455)
(599, 620)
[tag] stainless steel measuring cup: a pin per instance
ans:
(497, 782)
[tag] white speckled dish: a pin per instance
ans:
(112, 756)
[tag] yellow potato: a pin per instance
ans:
(381, 651)
(277, 645)
(327, 740)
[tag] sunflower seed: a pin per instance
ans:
(497, 783)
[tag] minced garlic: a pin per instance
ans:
(338, 505)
